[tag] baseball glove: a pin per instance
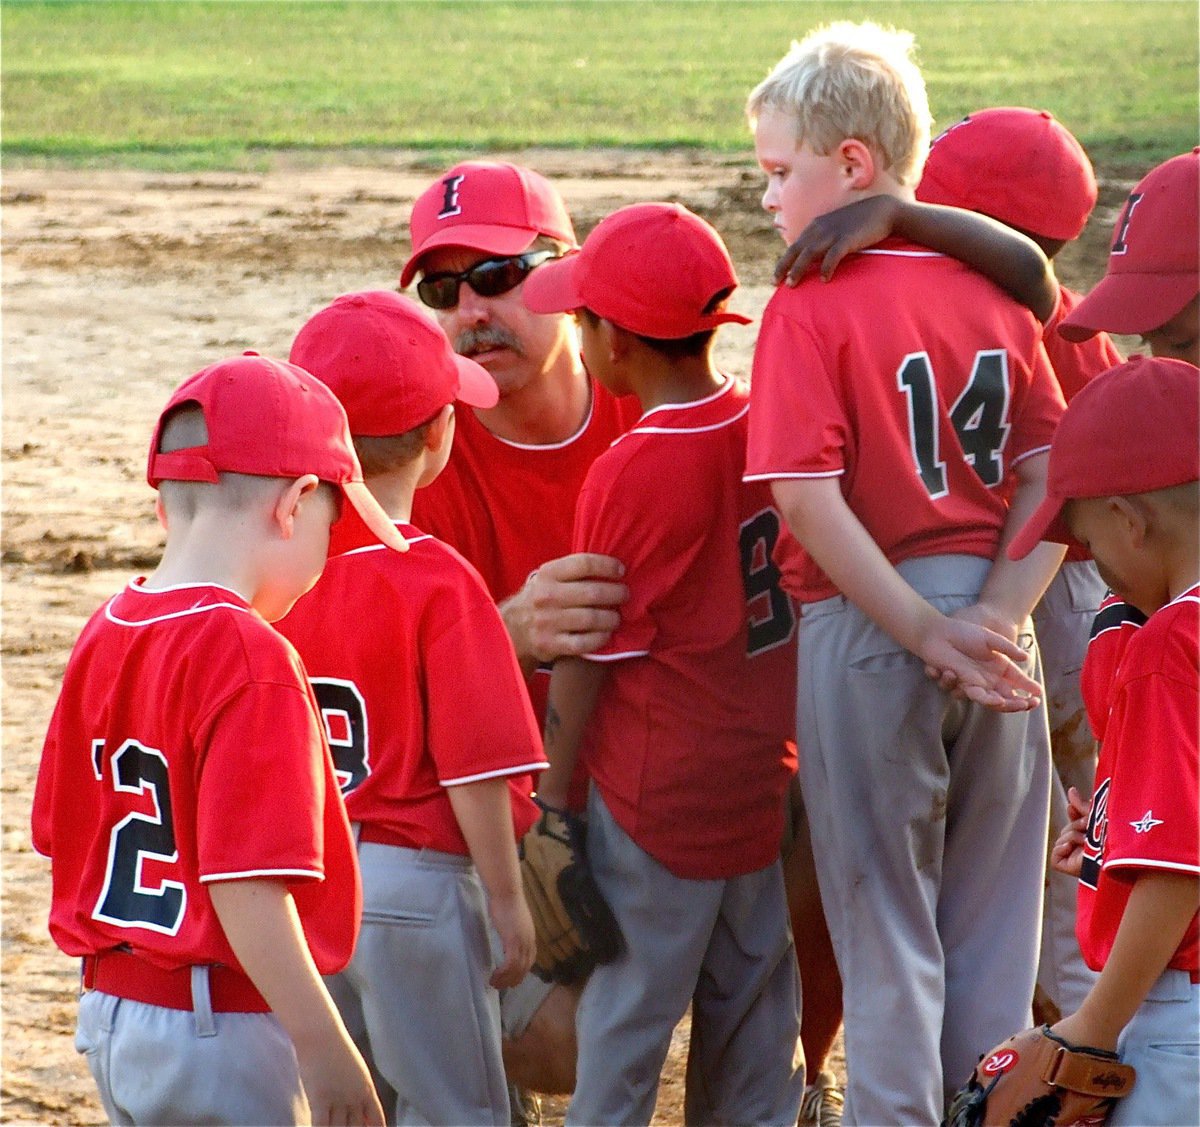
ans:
(575, 927)
(1036, 1079)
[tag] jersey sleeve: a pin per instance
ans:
(798, 424)
(265, 742)
(1153, 820)
(480, 721)
(1039, 409)
(621, 514)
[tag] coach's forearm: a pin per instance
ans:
(574, 688)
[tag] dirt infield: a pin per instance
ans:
(116, 285)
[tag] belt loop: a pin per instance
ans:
(202, 1002)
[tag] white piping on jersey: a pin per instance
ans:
(724, 389)
(1030, 454)
(249, 874)
(1124, 624)
(1151, 863)
(906, 253)
(108, 611)
(380, 547)
(535, 446)
(777, 476)
(616, 657)
(523, 769)
(142, 589)
(1191, 595)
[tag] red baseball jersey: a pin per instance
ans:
(914, 381)
(1115, 624)
(417, 683)
(1144, 813)
(689, 742)
(1074, 365)
(508, 508)
(186, 748)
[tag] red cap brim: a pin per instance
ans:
(381, 525)
(552, 287)
(1129, 304)
(476, 388)
(480, 237)
(1045, 524)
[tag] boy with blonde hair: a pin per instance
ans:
(203, 865)
(432, 730)
(902, 412)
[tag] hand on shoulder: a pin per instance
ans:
(568, 607)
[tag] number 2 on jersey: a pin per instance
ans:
(126, 899)
(979, 417)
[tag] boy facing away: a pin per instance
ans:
(202, 862)
(683, 717)
(432, 731)
(1024, 168)
(1123, 482)
(895, 409)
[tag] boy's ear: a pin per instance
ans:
(288, 502)
(856, 163)
(439, 428)
(617, 339)
(1134, 515)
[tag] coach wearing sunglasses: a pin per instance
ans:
(506, 500)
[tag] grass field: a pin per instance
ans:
(207, 84)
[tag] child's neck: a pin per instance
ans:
(394, 490)
(685, 381)
(199, 555)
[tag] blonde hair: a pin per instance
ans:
(853, 80)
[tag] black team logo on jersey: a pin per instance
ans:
(1097, 831)
(450, 204)
(1120, 246)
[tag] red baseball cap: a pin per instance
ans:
(652, 268)
(491, 206)
(388, 362)
(272, 419)
(1132, 429)
(1018, 165)
(1154, 261)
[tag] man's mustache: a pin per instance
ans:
(472, 341)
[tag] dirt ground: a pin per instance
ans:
(116, 285)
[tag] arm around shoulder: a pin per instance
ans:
(1009, 259)
(567, 607)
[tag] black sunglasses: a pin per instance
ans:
(489, 278)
